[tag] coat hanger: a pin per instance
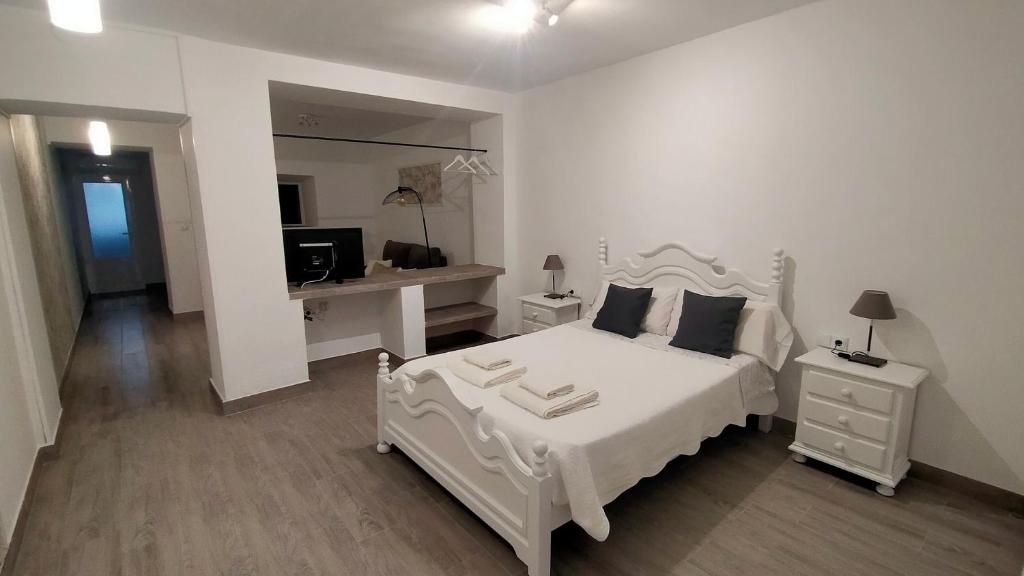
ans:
(460, 165)
(476, 166)
(482, 162)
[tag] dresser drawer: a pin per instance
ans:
(837, 416)
(848, 391)
(531, 327)
(840, 445)
(538, 314)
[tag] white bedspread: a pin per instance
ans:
(656, 404)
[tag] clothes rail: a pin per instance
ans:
(378, 142)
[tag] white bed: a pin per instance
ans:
(524, 475)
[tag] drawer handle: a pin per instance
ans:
(844, 420)
(839, 446)
(535, 314)
(845, 393)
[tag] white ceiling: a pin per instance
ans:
(445, 39)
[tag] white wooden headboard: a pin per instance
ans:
(674, 264)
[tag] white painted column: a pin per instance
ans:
(403, 323)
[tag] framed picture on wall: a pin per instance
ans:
(425, 179)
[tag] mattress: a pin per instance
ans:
(656, 403)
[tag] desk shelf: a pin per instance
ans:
(455, 313)
(395, 280)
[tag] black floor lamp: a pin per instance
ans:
(401, 197)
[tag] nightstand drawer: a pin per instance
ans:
(840, 445)
(538, 314)
(531, 327)
(848, 391)
(836, 416)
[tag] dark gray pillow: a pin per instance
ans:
(623, 310)
(708, 323)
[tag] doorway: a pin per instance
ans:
(110, 255)
(114, 221)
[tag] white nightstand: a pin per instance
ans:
(857, 417)
(540, 312)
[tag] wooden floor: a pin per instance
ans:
(150, 480)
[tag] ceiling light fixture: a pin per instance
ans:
(519, 15)
(99, 138)
(76, 15)
(552, 19)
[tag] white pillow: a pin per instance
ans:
(764, 332)
(677, 313)
(659, 310)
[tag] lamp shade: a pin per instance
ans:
(402, 195)
(874, 304)
(553, 262)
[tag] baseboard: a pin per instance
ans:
(43, 455)
(229, 407)
(50, 452)
(341, 347)
(67, 368)
(783, 427)
(991, 495)
(980, 491)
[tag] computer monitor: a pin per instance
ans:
(348, 253)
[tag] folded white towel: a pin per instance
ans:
(559, 406)
(487, 360)
(485, 378)
(546, 390)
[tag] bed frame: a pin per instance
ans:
(448, 434)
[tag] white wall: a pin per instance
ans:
(42, 217)
(63, 212)
(118, 70)
(450, 223)
(29, 406)
(173, 206)
(18, 448)
(878, 142)
(261, 332)
(351, 181)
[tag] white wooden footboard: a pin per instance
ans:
(450, 437)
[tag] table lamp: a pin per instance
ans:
(553, 263)
(873, 305)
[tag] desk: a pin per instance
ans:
(393, 280)
(387, 310)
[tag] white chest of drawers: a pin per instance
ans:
(540, 312)
(857, 417)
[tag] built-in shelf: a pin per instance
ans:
(452, 314)
(393, 280)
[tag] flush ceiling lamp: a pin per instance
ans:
(99, 138)
(519, 16)
(552, 10)
(76, 15)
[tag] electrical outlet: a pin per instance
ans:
(830, 341)
(841, 343)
